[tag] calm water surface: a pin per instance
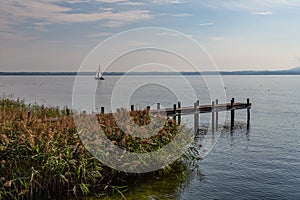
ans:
(262, 163)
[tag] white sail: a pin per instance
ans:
(99, 74)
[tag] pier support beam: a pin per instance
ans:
(179, 113)
(158, 106)
(174, 112)
(248, 113)
(213, 117)
(232, 114)
(196, 116)
(217, 115)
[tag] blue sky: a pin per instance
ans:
(56, 35)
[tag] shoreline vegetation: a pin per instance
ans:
(41, 154)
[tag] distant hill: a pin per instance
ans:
(296, 69)
(293, 71)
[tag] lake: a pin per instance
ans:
(260, 163)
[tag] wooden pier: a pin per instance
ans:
(177, 111)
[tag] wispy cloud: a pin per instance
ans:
(217, 38)
(262, 13)
(168, 34)
(206, 24)
(175, 15)
(167, 1)
(43, 13)
(98, 35)
(250, 5)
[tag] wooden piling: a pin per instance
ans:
(158, 106)
(217, 115)
(179, 112)
(28, 115)
(196, 116)
(102, 110)
(232, 114)
(132, 107)
(213, 116)
(174, 112)
(248, 113)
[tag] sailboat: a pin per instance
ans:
(99, 74)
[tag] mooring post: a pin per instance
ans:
(248, 113)
(132, 107)
(102, 110)
(158, 106)
(213, 117)
(179, 112)
(196, 116)
(174, 112)
(232, 114)
(217, 115)
(148, 108)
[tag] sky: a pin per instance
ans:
(57, 35)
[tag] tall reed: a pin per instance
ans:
(41, 153)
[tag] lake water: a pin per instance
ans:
(262, 163)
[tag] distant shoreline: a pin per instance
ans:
(279, 72)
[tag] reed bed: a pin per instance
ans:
(41, 154)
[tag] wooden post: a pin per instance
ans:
(232, 114)
(102, 110)
(148, 109)
(158, 106)
(179, 111)
(248, 113)
(28, 115)
(217, 115)
(132, 107)
(213, 117)
(174, 112)
(196, 116)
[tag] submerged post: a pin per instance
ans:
(213, 116)
(217, 115)
(248, 113)
(196, 116)
(179, 112)
(232, 114)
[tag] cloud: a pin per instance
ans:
(42, 13)
(97, 35)
(262, 13)
(168, 34)
(250, 5)
(175, 15)
(182, 15)
(167, 1)
(217, 38)
(207, 24)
